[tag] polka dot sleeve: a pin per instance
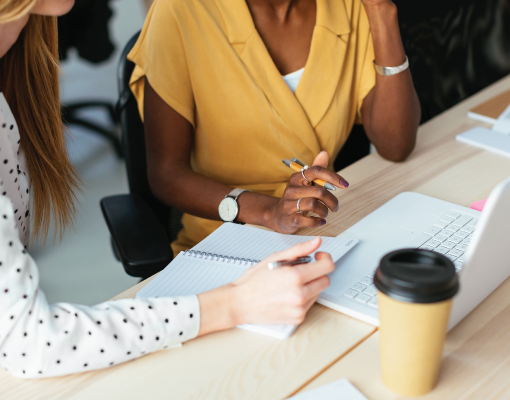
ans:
(38, 339)
(14, 176)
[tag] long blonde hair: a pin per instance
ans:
(29, 78)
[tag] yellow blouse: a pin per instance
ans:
(207, 61)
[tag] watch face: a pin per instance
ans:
(228, 209)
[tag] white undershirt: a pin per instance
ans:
(292, 79)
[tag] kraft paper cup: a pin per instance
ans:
(415, 296)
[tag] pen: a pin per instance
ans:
(288, 263)
(297, 166)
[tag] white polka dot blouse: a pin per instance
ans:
(38, 339)
(14, 178)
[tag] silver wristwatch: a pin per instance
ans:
(228, 208)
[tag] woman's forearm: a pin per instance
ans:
(184, 189)
(217, 310)
(391, 112)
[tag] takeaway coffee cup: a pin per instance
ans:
(415, 296)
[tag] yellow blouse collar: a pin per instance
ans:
(304, 109)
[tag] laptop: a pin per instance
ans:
(477, 243)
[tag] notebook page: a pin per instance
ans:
(234, 240)
(186, 275)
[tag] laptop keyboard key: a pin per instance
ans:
(461, 221)
(446, 233)
(440, 238)
(461, 247)
(432, 231)
(468, 229)
(447, 219)
(427, 247)
(366, 280)
(433, 243)
(453, 214)
(461, 234)
(455, 239)
(452, 228)
(449, 245)
(358, 286)
(442, 249)
(371, 290)
(441, 224)
(456, 253)
(351, 294)
(451, 256)
(458, 264)
(362, 298)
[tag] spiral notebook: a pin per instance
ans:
(223, 257)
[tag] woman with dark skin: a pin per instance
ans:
(390, 114)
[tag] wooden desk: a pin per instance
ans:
(242, 365)
(476, 361)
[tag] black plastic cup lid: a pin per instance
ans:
(416, 276)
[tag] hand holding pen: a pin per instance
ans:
(302, 196)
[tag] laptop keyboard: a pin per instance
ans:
(450, 236)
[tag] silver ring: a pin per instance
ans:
(303, 173)
(298, 206)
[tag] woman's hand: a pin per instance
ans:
(286, 218)
(263, 296)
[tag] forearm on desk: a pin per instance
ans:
(391, 112)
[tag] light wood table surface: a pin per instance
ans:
(238, 364)
(476, 360)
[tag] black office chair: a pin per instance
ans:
(138, 222)
(85, 28)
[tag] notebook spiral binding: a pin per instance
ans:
(220, 257)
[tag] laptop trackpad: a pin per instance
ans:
(376, 239)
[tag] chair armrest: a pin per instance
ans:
(139, 237)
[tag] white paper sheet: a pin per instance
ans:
(338, 390)
(502, 124)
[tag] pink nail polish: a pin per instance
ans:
(323, 222)
(344, 183)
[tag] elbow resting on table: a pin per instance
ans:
(398, 152)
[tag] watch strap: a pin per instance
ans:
(236, 193)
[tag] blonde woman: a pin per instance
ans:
(41, 340)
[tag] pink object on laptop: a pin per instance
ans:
(478, 205)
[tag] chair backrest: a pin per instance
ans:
(455, 48)
(133, 139)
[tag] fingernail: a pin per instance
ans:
(323, 222)
(344, 183)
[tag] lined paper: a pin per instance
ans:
(186, 275)
(189, 274)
